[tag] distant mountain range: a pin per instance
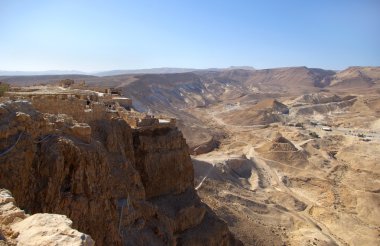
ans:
(164, 70)
(49, 72)
(269, 80)
(145, 71)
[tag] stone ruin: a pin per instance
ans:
(87, 106)
(143, 120)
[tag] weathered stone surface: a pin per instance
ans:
(162, 159)
(49, 229)
(82, 131)
(121, 186)
(37, 229)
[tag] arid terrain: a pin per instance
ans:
(286, 156)
(309, 176)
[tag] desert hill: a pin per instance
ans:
(282, 150)
(317, 98)
(263, 112)
(356, 77)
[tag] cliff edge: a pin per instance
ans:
(121, 186)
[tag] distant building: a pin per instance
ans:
(113, 91)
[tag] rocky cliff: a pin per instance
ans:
(120, 185)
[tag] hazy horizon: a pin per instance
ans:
(156, 70)
(96, 36)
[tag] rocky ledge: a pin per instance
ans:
(18, 228)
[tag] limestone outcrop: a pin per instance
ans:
(121, 186)
(18, 228)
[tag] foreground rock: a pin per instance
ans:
(37, 229)
(120, 185)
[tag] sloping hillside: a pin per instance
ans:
(264, 112)
(356, 77)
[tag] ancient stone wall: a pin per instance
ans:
(72, 106)
(122, 101)
(141, 120)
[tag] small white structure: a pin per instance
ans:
(163, 121)
(328, 129)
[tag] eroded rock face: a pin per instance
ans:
(162, 159)
(121, 186)
(37, 229)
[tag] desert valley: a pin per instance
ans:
(282, 156)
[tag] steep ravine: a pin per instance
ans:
(119, 185)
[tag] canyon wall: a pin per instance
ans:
(121, 186)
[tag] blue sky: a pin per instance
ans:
(100, 35)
